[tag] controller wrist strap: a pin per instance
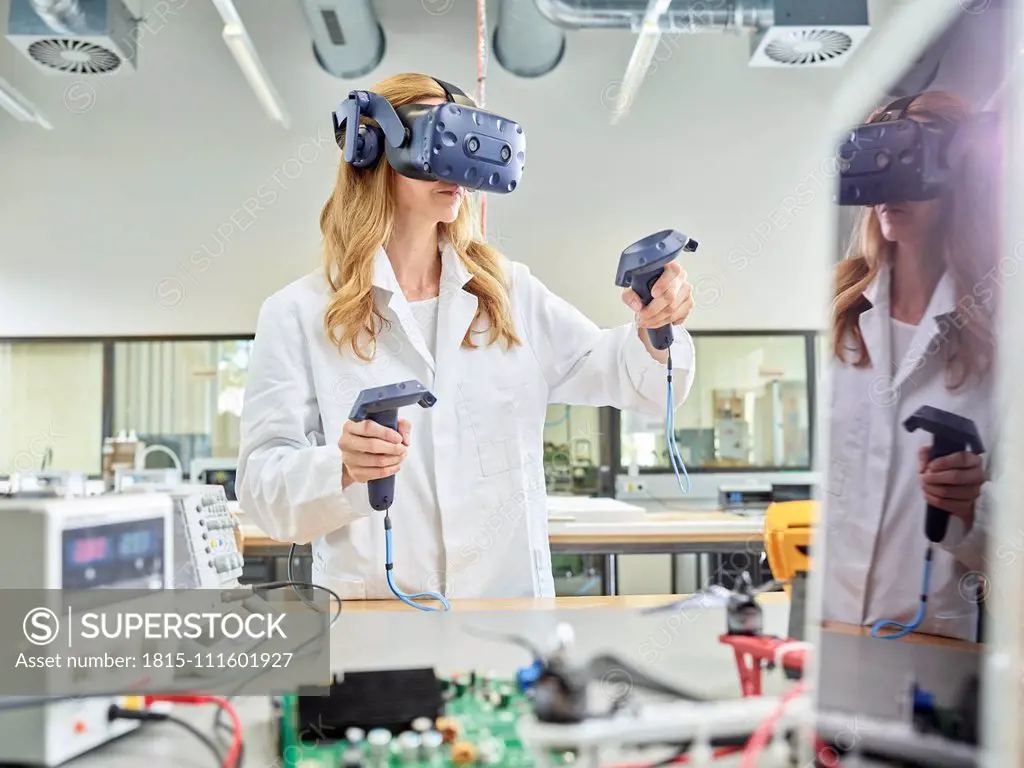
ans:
(389, 567)
(675, 459)
(902, 630)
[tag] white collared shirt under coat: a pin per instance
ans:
(486, 456)
(875, 545)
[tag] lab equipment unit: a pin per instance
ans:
(217, 471)
(788, 528)
(120, 452)
(113, 542)
(45, 484)
(751, 499)
(204, 537)
(125, 477)
(206, 551)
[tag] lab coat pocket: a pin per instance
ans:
(491, 410)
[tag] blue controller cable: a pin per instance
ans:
(389, 565)
(902, 630)
(670, 436)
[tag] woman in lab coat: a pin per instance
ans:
(912, 326)
(408, 293)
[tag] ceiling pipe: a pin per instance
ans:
(64, 16)
(694, 16)
(525, 43)
(348, 40)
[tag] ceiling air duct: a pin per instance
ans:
(823, 33)
(681, 15)
(784, 33)
(348, 40)
(74, 37)
(525, 43)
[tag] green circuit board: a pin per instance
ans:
(486, 721)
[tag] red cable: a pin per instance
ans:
(231, 759)
(760, 738)
(683, 759)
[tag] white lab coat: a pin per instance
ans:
(486, 456)
(874, 547)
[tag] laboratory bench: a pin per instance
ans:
(681, 647)
(716, 537)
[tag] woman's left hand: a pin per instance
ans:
(953, 482)
(671, 302)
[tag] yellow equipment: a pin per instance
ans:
(788, 528)
(787, 538)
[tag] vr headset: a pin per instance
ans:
(895, 159)
(455, 142)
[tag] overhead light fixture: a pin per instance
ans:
(641, 58)
(242, 48)
(249, 62)
(19, 107)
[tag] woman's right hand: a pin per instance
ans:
(370, 451)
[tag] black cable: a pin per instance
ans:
(220, 725)
(293, 584)
(683, 749)
(218, 721)
(606, 664)
(296, 654)
(501, 637)
(720, 742)
(149, 716)
(199, 735)
(291, 578)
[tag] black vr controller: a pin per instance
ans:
(381, 404)
(952, 434)
(642, 263)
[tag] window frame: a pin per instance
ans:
(610, 450)
(107, 343)
(810, 338)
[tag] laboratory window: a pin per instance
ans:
(51, 407)
(749, 408)
(572, 450)
(185, 395)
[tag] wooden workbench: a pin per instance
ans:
(913, 638)
(657, 533)
(632, 602)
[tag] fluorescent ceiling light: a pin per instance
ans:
(641, 58)
(226, 9)
(19, 107)
(242, 48)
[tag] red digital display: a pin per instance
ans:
(90, 550)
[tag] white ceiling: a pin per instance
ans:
(117, 197)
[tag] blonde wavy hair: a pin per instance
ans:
(357, 220)
(969, 242)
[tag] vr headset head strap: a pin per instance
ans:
(897, 110)
(373, 106)
(454, 94)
